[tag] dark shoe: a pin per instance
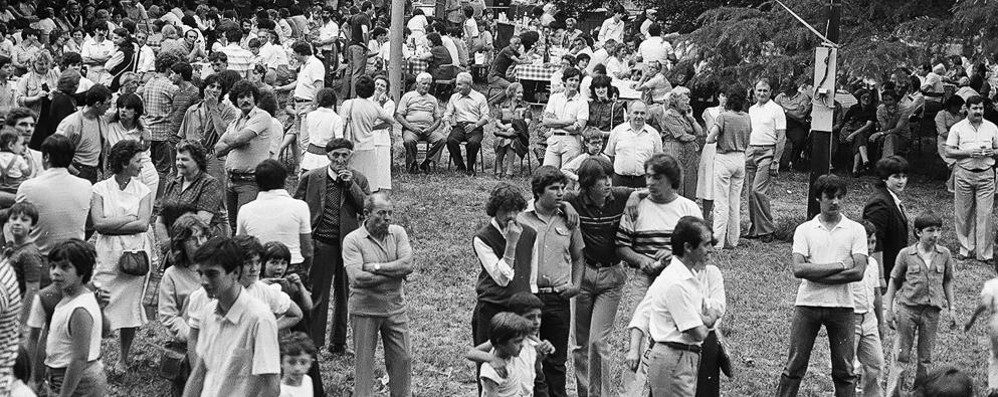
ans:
(427, 166)
(413, 168)
(470, 172)
(767, 238)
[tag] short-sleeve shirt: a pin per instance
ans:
(599, 223)
(358, 25)
(630, 149)
(964, 136)
(360, 247)
(735, 131)
(655, 49)
(920, 283)
(10, 314)
(237, 345)
(310, 72)
(504, 59)
(863, 292)
(276, 216)
(564, 107)
(671, 306)
(819, 245)
(85, 133)
(418, 110)
(652, 231)
(520, 373)
(204, 194)
(239, 59)
(28, 263)
(766, 120)
(157, 96)
(245, 158)
(553, 249)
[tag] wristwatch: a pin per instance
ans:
(377, 267)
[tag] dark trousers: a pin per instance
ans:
(635, 181)
(796, 142)
(709, 374)
(555, 325)
(162, 157)
(474, 139)
(327, 271)
(807, 321)
(481, 322)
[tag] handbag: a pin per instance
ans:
(135, 263)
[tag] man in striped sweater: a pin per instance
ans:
(644, 242)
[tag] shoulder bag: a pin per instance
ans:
(134, 263)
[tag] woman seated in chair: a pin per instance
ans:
(441, 66)
(512, 118)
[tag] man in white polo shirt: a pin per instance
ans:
(565, 114)
(673, 313)
(311, 79)
(276, 216)
(769, 127)
(630, 145)
(829, 253)
(972, 143)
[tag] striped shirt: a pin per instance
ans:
(10, 311)
(239, 59)
(599, 224)
(652, 231)
(157, 96)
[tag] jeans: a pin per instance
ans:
(758, 160)
(555, 324)
(729, 177)
(474, 139)
(162, 153)
(410, 139)
(394, 331)
(870, 353)
(973, 202)
(595, 310)
(924, 320)
(561, 149)
(807, 321)
(358, 65)
(237, 194)
(328, 271)
(672, 372)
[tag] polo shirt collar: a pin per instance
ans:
(935, 248)
(273, 193)
(57, 171)
(238, 308)
(588, 201)
(680, 269)
(819, 225)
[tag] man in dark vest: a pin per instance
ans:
(504, 248)
(335, 197)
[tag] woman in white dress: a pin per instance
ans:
(705, 173)
(383, 135)
(317, 128)
(361, 117)
(125, 123)
(121, 208)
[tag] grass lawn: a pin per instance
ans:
(442, 211)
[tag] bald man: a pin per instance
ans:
(420, 116)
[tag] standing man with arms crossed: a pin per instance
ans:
(829, 253)
(769, 127)
(360, 35)
(565, 114)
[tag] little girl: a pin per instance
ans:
(73, 344)
(14, 169)
(276, 257)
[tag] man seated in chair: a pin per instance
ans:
(467, 112)
(419, 114)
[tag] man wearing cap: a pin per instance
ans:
(419, 114)
(335, 196)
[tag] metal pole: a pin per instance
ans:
(395, 51)
(821, 136)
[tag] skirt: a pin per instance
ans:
(375, 164)
(124, 309)
(705, 173)
(688, 155)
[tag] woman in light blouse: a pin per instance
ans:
(34, 87)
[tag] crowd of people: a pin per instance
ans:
(230, 165)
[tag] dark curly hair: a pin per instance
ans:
(123, 152)
(505, 197)
(243, 88)
(545, 176)
(181, 231)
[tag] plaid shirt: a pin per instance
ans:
(158, 96)
(182, 100)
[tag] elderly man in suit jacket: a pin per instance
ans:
(335, 197)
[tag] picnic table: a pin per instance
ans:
(625, 90)
(415, 65)
(534, 72)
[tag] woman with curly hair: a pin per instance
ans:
(125, 123)
(679, 138)
(121, 208)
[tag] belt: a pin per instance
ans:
(977, 169)
(762, 145)
(681, 346)
(600, 265)
(299, 100)
(242, 176)
(316, 149)
(562, 134)
(546, 290)
(730, 151)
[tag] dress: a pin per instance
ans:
(382, 176)
(116, 132)
(705, 172)
(360, 117)
(678, 140)
(125, 307)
